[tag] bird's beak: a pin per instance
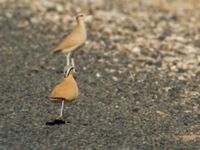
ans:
(88, 18)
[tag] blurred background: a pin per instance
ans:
(160, 32)
(138, 74)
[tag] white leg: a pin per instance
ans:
(68, 59)
(73, 64)
(67, 62)
(65, 70)
(62, 108)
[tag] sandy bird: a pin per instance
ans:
(66, 91)
(75, 39)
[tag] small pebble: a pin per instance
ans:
(115, 78)
(98, 75)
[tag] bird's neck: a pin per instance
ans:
(70, 76)
(80, 24)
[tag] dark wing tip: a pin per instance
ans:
(55, 51)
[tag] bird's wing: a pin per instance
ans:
(64, 90)
(73, 40)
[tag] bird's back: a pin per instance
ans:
(67, 90)
(72, 41)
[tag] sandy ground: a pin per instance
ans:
(138, 75)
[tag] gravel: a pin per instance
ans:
(138, 76)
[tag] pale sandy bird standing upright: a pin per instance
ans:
(66, 91)
(74, 40)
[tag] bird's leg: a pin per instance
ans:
(68, 59)
(73, 64)
(65, 68)
(72, 61)
(67, 62)
(61, 111)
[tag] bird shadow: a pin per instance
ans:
(55, 122)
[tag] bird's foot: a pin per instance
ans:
(59, 118)
(55, 117)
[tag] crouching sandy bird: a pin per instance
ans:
(66, 91)
(74, 40)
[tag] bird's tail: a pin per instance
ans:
(56, 51)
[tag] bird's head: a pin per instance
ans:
(81, 17)
(69, 70)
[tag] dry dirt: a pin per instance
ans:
(138, 75)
